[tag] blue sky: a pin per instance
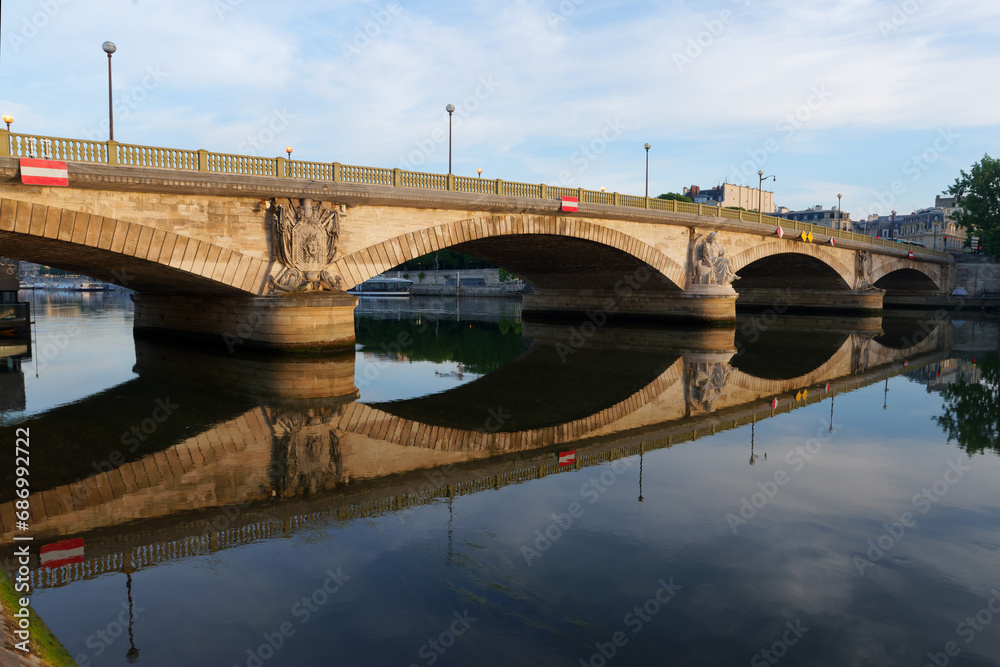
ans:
(881, 101)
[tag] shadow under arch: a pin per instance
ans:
(547, 386)
(786, 268)
(548, 252)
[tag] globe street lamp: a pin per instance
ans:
(647, 147)
(480, 172)
(8, 119)
(892, 226)
(760, 186)
(840, 215)
(450, 109)
(288, 149)
(109, 48)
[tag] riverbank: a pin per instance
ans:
(45, 649)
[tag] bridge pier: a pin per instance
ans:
(300, 321)
(811, 300)
(699, 303)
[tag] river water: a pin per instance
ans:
(470, 489)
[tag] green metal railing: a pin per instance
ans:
(115, 153)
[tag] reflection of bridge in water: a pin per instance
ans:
(333, 459)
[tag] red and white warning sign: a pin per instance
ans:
(567, 458)
(35, 171)
(66, 552)
(571, 204)
(780, 232)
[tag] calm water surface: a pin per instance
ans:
(405, 505)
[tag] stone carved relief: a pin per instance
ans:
(306, 457)
(305, 243)
(709, 263)
(861, 352)
(864, 271)
(706, 382)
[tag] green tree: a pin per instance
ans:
(675, 197)
(972, 409)
(978, 193)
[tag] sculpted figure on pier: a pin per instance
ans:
(711, 265)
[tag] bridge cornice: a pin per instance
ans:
(94, 176)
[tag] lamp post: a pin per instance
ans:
(647, 147)
(760, 186)
(480, 172)
(892, 226)
(840, 215)
(8, 119)
(109, 48)
(450, 109)
(288, 149)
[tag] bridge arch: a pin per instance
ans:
(137, 256)
(899, 274)
(505, 239)
(774, 253)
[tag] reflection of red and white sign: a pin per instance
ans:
(43, 172)
(828, 386)
(774, 404)
(62, 553)
(570, 204)
(567, 458)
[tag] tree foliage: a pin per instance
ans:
(972, 409)
(675, 197)
(978, 193)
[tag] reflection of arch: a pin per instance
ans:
(377, 423)
(145, 258)
(825, 255)
(364, 264)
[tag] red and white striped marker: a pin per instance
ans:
(833, 241)
(66, 552)
(567, 458)
(780, 232)
(570, 204)
(44, 172)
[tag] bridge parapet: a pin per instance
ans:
(120, 154)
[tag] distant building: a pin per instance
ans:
(818, 215)
(736, 196)
(932, 227)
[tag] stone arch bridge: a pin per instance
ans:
(265, 260)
